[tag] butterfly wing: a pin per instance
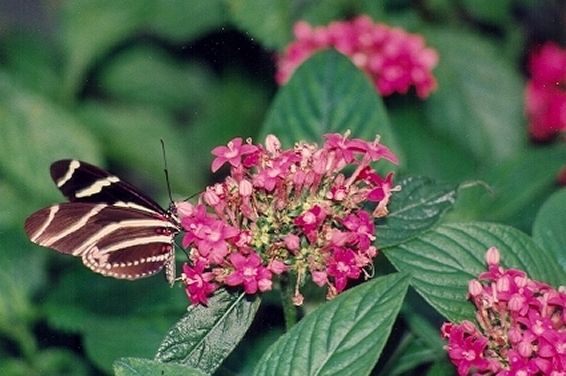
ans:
(82, 182)
(119, 241)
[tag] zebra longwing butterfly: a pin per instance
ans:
(116, 229)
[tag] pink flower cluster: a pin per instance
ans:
(545, 95)
(522, 326)
(394, 59)
(286, 211)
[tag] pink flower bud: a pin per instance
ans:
(298, 299)
(264, 284)
(277, 266)
(525, 349)
(245, 188)
(272, 144)
(475, 288)
(292, 242)
(210, 197)
(184, 209)
(516, 303)
(492, 256)
(320, 278)
(503, 284)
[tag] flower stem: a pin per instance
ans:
(289, 309)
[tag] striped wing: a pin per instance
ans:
(119, 241)
(82, 182)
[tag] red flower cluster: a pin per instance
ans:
(394, 59)
(283, 211)
(522, 326)
(545, 95)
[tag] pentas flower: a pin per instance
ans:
(521, 326)
(394, 59)
(545, 94)
(307, 211)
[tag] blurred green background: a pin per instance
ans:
(105, 80)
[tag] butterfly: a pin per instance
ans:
(117, 230)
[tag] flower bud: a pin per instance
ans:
(492, 256)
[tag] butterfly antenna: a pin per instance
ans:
(166, 171)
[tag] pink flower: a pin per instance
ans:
(300, 211)
(231, 153)
(545, 94)
(249, 272)
(394, 59)
(342, 266)
(310, 220)
(521, 332)
(211, 239)
(198, 284)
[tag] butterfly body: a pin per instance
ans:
(116, 229)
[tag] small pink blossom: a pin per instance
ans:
(248, 272)
(394, 59)
(342, 266)
(231, 153)
(198, 285)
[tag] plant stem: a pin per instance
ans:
(289, 309)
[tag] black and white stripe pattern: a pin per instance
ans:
(116, 230)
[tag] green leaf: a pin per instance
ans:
(90, 28)
(549, 230)
(479, 103)
(507, 203)
(328, 94)
(269, 21)
(416, 208)
(182, 20)
(150, 76)
(205, 336)
(344, 336)
(143, 367)
(444, 260)
(426, 151)
(46, 132)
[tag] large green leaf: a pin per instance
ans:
(416, 208)
(479, 103)
(143, 367)
(444, 260)
(549, 230)
(205, 336)
(342, 337)
(328, 94)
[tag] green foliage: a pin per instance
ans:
(549, 232)
(416, 208)
(443, 260)
(327, 95)
(104, 81)
(344, 336)
(205, 335)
